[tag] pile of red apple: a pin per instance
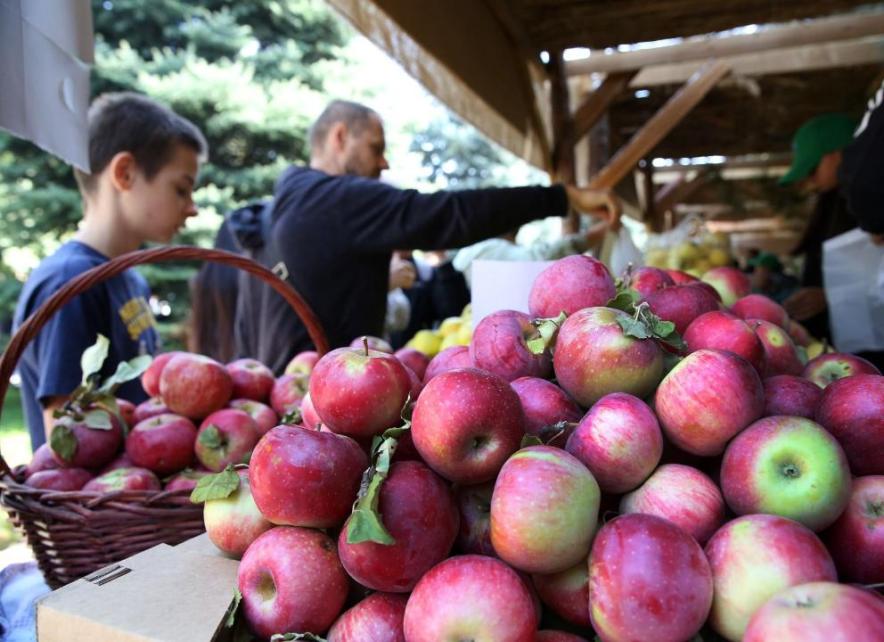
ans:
(569, 477)
(202, 416)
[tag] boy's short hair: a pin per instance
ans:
(129, 122)
(354, 115)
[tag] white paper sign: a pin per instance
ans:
(502, 285)
(853, 272)
(45, 50)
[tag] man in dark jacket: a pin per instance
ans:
(335, 226)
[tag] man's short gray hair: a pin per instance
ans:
(355, 115)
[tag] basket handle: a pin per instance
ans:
(82, 282)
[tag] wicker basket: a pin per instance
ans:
(74, 533)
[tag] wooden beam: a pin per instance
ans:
(563, 131)
(597, 103)
(669, 195)
(789, 60)
(660, 124)
(809, 32)
(649, 215)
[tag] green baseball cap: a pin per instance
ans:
(816, 138)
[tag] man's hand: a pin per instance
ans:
(402, 273)
(590, 201)
(806, 303)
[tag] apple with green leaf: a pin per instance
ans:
(225, 437)
(230, 514)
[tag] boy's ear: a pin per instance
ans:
(122, 169)
(337, 135)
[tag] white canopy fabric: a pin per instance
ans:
(46, 48)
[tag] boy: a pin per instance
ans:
(144, 160)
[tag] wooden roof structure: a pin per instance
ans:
(729, 79)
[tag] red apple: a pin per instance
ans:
(566, 592)
(120, 461)
(819, 612)
(790, 395)
(722, 330)
(781, 355)
(466, 423)
(195, 386)
(419, 512)
(43, 459)
(648, 580)
(500, 345)
(787, 466)
(378, 618)
(645, 280)
(730, 283)
(543, 510)
(187, 480)
(150, 408)
(414, 359)
(681, 304)
(150, 379)
(304, 477)
(302, 363)
(831, 366)
(593, 357)
(163, 444)
(758, 306)
(856, 539)
(77, 445)
(225, 437)
(251, 379)
(264, 417)
(291, 580)
(124, 479)
(852, 409)
(448, 359)
(374, 343)
(288, 392)
(474, 505)
(545, 405)
(234, 522)
(308, 413)
(684, 496)
(548, 635)
(680, 277)
(470, 597)
(571, 284)
(706, 399)
(127, 411)
(359, 392)
(799, 333)
(619, 440)
(755, 556)
(59, 479)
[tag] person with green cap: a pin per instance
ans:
(817, 156)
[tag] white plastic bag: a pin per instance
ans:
(619, 250)
(853, 273)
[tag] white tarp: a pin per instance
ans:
(46, 47)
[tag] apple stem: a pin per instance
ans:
(365, 345)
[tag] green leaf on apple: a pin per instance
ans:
(211, 437)
(93, 358)
(231, 617)
(365, 524)
(98, 418)
(127, 371)
(63, 442)
(547, 329)
(292, 418)
(625, 300)
(530, 440)
(217, 486)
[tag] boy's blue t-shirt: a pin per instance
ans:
(117, 308)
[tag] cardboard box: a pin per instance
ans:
(169, 594)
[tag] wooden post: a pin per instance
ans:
(647, 170)
(660, 124)
(563, 131)
(596, 104)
